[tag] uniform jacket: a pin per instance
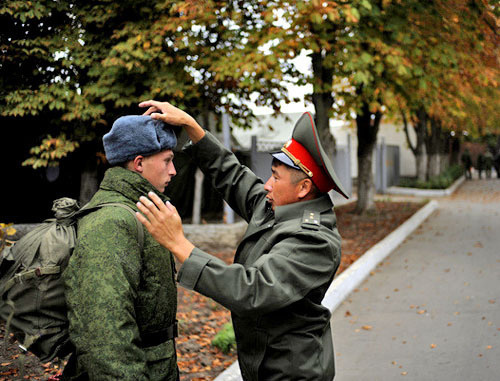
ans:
(282, 269)
(117, 295)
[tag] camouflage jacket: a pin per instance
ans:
(282, 269)
(117, 295)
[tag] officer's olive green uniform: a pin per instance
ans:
(283, 267)
(121, 301)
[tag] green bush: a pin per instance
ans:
(442, 181)
(225, 339)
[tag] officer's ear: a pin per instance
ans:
(305, 187)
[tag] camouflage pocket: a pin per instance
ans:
(161, 361)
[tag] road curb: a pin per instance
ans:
(426, 192)
(349, 279)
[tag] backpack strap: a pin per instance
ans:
(30, 274)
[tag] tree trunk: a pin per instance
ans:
(434, 165)
(434, 145)
(323, 102)
(367, 129)
(454, 151)
(420, 127)
(421, 165)
(89, 183)
(205, 120)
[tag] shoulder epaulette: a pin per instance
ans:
(311, 220)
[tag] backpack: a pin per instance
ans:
(32, 301)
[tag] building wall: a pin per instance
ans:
(279, 128)
(392, 135)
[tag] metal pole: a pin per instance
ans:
(383, 166)
(349, 174)
(226, 132)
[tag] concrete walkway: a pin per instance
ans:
(431, 310)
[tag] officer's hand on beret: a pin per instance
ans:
(172, 115)
(167, 113)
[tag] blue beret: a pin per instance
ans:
(134, 135)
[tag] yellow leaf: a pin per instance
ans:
(367, 327)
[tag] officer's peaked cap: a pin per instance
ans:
(305, 152)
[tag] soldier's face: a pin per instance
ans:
(281, 190)
(159, 169)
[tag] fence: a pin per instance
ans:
(386, 163)
(386, 166)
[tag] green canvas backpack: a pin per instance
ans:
(32, 301)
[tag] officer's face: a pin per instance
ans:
(159, 169)
(281, 188)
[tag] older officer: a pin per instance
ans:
(285, 261)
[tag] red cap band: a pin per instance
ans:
(304, 160)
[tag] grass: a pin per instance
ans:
(442, 181)
(225, 339)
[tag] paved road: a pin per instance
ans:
(431, 310)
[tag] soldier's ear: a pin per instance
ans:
(137, 164)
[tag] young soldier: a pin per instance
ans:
(285, 261)
(122, 300)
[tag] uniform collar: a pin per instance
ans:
(130, 184)
(296, 210)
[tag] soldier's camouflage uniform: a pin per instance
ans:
(116, 294)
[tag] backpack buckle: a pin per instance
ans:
(18, 278)
(23, 348)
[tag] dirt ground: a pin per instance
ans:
(200, 318)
